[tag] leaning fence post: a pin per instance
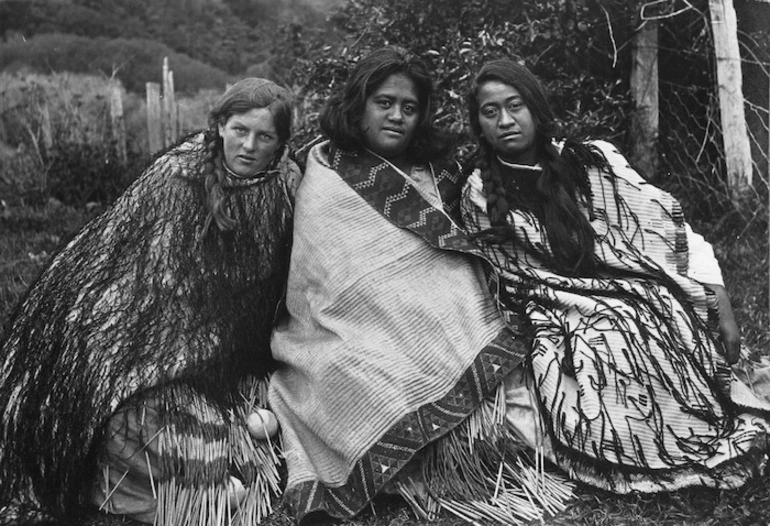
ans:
(154, 136)
(169, 106)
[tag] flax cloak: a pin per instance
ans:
(392, 338)
(627, 366)
(140, 300)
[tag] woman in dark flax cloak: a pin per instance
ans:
(119, 370)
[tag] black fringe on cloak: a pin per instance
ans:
(138, 300)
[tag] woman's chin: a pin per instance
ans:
(248, 169)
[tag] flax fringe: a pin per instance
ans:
(201, 498)
(481, 473)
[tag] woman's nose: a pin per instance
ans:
(396, 113)
(250, 142)
(505, 119)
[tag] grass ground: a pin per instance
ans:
(30, 234)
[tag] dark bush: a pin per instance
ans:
(79, 174)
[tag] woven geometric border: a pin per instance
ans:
(399, 202)
(410, 434)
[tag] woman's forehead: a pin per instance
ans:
(495, 91)
(260, 118)
(398, 84)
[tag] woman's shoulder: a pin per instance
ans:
(321, 151)
(319, 156)
(183, 160)
(290, 172)
(613, 164)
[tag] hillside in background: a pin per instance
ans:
(208, 40)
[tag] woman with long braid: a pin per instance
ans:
(628, 382)
(119, 369)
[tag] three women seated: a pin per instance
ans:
(548, 276)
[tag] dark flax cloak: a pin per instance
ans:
(137, 300)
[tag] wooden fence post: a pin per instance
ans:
(644, 89)
(169, 106)
(117, 121)
(46, 128)
(724, 25)
(154, 135)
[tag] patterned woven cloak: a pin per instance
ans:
(392, 338)
(140, 300)
(627, 366)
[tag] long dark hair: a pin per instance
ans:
(563, 179)
(340, 119)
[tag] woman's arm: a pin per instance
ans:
(705, 269)
(728, 327)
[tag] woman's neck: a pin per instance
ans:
(400, 162)
(259, 174)
(520, 166)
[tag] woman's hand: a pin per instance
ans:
(731, 334)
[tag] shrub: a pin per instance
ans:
(58, 139)
(82, 173)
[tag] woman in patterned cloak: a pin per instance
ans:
(391, 340)
(119, 369)
(628, 382)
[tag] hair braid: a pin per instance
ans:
(497, 200)
(214, 180)
(569, 233)
(560, 190)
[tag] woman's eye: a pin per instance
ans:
(384, 103)
(515, 106)
(489, 113)
(410, 109)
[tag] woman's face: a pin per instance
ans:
(250, 141)
(390, 117)
(506, 122)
